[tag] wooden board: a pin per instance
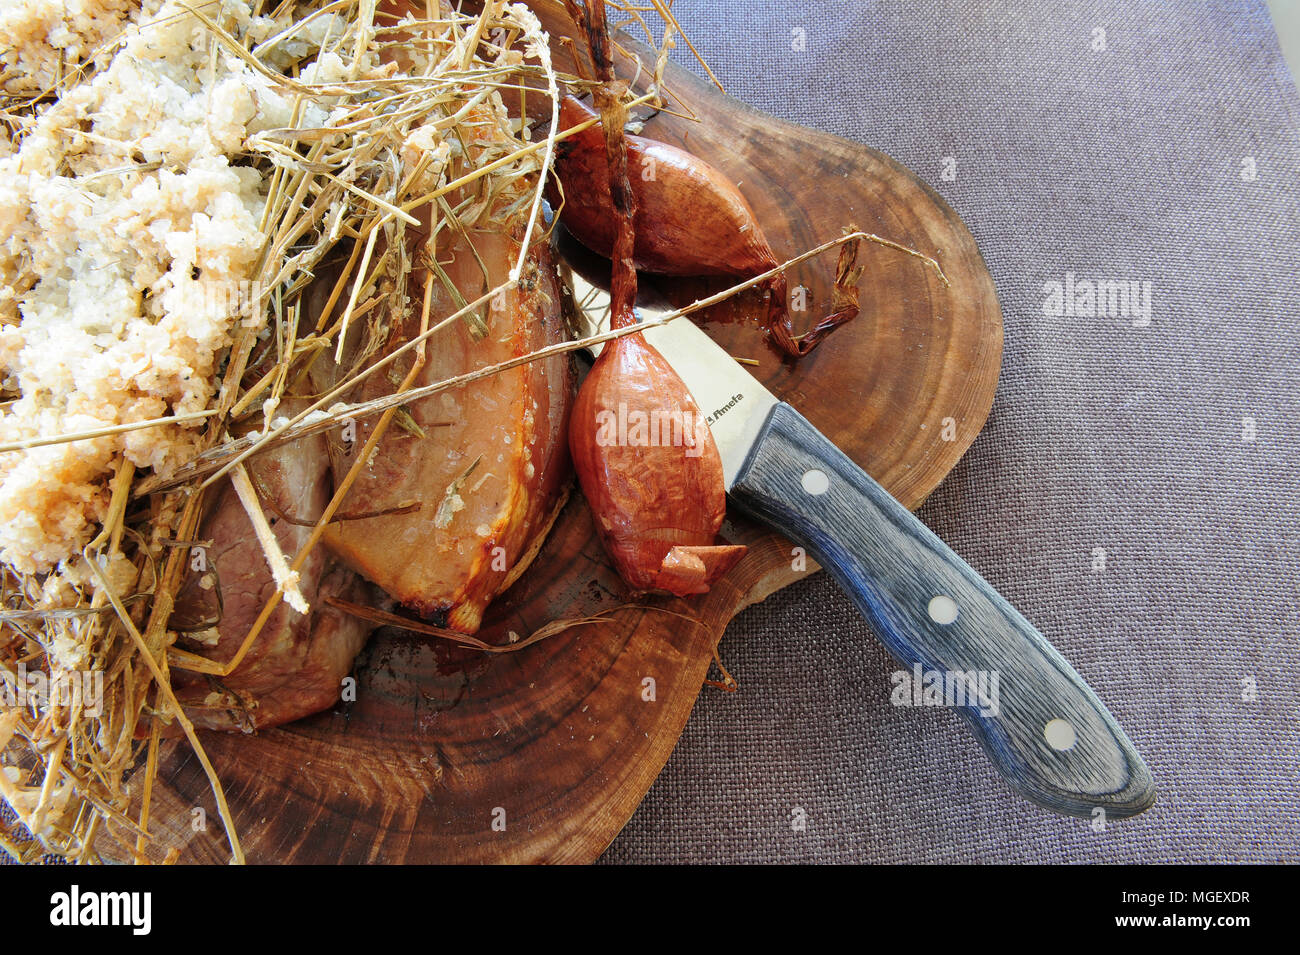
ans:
(543, 755)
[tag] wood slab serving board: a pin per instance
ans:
(452, 755)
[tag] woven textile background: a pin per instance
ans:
(1122, 164)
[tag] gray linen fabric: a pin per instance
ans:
(1120, 164)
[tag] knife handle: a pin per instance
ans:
(1040, 724)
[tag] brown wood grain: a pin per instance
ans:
(559, 736)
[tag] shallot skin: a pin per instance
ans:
(657, 503)
(690, 219)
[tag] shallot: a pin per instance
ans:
(689, 219)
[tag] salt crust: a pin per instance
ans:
(128, 241)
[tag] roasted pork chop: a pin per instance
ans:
(296, 664)
(457, 496)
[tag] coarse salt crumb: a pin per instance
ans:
(129, 243)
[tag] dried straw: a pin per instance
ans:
(333, 188)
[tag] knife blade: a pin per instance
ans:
(1039, 723)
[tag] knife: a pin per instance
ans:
(1040, 724)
